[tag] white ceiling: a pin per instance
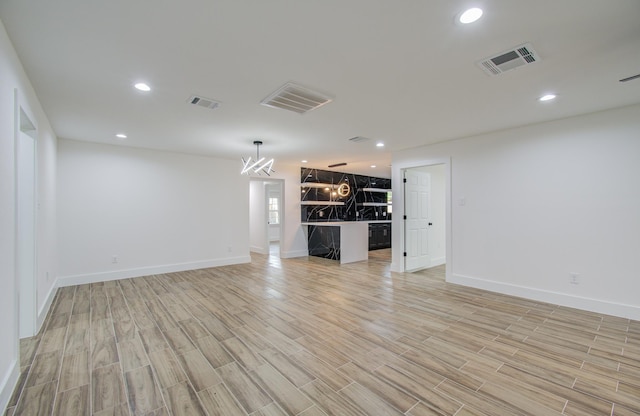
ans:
(403, 72)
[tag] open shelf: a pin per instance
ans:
(376, 190)
(320, 185)
(321, 203)
(374, 204)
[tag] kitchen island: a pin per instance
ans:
(345, 241)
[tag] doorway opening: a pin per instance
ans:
(424, 223)
(266, 216)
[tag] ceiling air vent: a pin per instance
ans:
(508, 60)
(358, 139)
(295, 98)
(203, 102)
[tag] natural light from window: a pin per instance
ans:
(274, 212)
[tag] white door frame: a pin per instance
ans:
(281, 183)
(25, 244)
(398, 235)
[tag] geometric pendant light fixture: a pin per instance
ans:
(259, 165)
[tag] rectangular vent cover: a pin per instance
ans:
(508, 60)
(295, 98)
(358, 139)
(203, 102)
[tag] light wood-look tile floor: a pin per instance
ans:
(312, 337)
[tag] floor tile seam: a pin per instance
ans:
(524, 384)
(49, 316)
(266, 391)
(119, 361)
(566, 403)
(16, 391)
(230, 391)
(22, 390)
(383, 381)
(19, 404)
(154, 377)
(90, 369)
(207, 363)
(449, 396)
(594, 396)
(505, 404)
(308, 382)
(154, 370)
(59, 369)
(460, 409)
(411, 376)
(380, 397)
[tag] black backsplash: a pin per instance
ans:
(352, 210)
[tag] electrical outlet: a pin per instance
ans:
(114, 259)
(574, 278)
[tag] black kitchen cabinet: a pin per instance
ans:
(379, 236)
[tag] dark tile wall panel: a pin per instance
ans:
(324, 241)
(353, 208)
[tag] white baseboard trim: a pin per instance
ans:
(42, 313)
(293, 254)
(259, 250)
(438, 261)
(80, 279)
(8, 384)
(556, 298)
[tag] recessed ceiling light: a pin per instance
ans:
(303, 161)
(547, 97)
(470, 15)
(379, 144)
(373, 166)
(121, 136)
(142, 87)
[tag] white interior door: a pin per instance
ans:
(417, 189)
(26, 233)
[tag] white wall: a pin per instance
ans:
(14, 83)
(156, 211)
(544, 201)
(46, 234)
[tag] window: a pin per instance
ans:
(274, 211)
